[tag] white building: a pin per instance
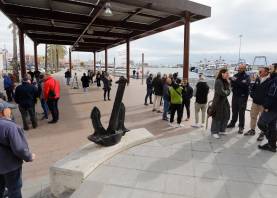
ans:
(1, 62)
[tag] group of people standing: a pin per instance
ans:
(14, 148)
(175, 94)
(87, 80)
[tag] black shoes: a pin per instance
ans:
(145, 104)
(267, 147)
(231, 125)
(240, 131)
(52, 121)
(251, 132)
(261, 137)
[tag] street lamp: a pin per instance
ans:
(240, 38)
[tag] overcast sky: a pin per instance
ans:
(210, 38)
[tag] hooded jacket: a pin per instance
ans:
(25, 95)
(259, 91)
(51, 84)
(201, 92)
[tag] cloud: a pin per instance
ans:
(212, 37)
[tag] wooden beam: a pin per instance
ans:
(94, 14)
(80, 3)
(128, 60)
(94, 62)
(37, 27)
(186, 46)
(22, 52)
(55, 42)
(106, 60)
(36, 55)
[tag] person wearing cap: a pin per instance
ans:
(25, 97)
(13, 151)
(258, 94)
(51, 92)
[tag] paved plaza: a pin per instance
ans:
(182, 162)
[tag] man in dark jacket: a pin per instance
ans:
(268, 120)
(187, 95)
(201, 92)
(258, 94)
(67, 76)
(149, 90)
(13, 150)
(158, 92)
(25, 97)
(240, 87)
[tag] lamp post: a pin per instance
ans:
(240, 39)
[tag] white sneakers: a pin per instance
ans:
(175, 126)
(216, 136)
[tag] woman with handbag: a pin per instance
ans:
(220, 108)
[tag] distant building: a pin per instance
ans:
(1, 62)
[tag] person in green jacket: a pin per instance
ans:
(176, 100)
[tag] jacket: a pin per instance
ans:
(25, 95)
(149, 83)
(8, 84)
(259, 90)
(187, 92)
(51, 84)
(240, 86)
(270, 102)
(67, 74)
(107, 83)
(201, 92)
(221, 104)
(166, 92)
(158, 86)
(175, 93)
(85, 81)
(13, 146)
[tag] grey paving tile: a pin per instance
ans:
(207, 157)
(234, 173)
(268, 191)
(145, 194)
(180, 185)
(126, 161)
(207, 170)
(180, 154)
(180, 167)
(242, 190)
(262, 176)
(151, 181)
(210, 188)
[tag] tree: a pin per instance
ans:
(55, 52)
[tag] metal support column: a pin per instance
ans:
(186, 46)
(94, 62)
(36, 55)
(22, 52)
(128, 60)
(106, 60)
(46, 57)
(70, 62)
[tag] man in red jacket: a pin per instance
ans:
(51, 93)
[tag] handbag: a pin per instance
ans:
(52, 93)
(210, 110)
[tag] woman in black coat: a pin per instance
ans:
(221, 106)
(85, 82)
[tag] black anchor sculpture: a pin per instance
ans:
(116, 128)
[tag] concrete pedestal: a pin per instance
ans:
(67, 174)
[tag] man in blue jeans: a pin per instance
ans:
(13, 150)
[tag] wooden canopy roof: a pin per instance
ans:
(82, 24)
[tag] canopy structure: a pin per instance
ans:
(84, 25)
